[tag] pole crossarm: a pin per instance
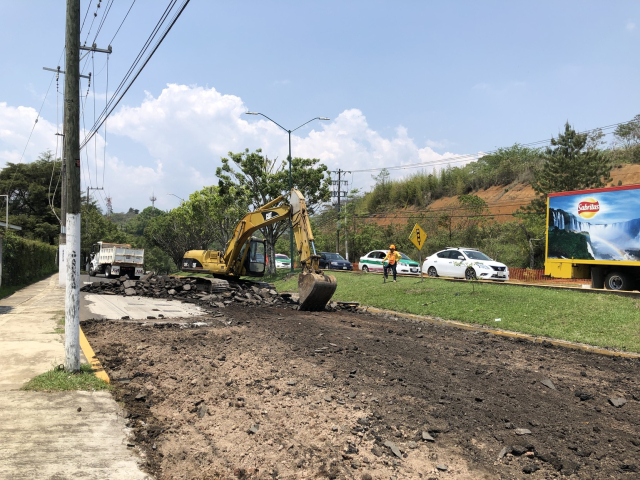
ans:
(62, 71)
(94, 48)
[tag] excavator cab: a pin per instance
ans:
(255, 259)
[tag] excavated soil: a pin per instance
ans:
(274, 393)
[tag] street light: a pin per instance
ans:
(181, 199)
(290, 185)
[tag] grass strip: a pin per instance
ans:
(602, 320)
(59, 380)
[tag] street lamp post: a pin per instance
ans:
(290, 184)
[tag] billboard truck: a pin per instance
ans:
(595, 234)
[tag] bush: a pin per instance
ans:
(25, 261)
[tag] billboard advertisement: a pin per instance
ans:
(595, 225)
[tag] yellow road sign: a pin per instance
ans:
(418, 236)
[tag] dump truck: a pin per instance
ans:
(595, 234)
(244, 255)
(116, 260)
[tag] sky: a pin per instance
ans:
(402, 82)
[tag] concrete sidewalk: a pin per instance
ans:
(43, 435)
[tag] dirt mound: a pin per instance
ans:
(267, 393)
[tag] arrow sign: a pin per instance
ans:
(418, 236)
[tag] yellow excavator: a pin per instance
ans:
(245, 255)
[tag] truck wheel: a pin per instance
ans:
(617, 281)
(107, 271)
(92, 272)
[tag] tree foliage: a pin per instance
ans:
(569, 165)
(34, 197)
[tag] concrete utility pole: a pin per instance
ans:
(72, 180)
(62, 244)
(338, 223)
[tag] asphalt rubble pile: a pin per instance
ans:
(212, 292)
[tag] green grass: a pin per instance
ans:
(58, 380)
(591, 318)
(59, 316)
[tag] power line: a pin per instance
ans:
(113, 102)
(85, 15)
(104, 17)
(125, 17)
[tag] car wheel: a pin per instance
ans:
(365, 269)
(617, 281)
(470, 274)
(432, 272)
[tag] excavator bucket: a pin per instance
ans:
(315, 290)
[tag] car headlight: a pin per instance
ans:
(402, 264)
(482, 266)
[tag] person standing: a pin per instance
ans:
(393, 257)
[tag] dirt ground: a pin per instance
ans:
(274, 393)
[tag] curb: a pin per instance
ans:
(504, 333)
(93, 360)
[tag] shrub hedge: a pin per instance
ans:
(25, 261)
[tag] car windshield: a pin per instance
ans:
(334, 256)
(404, 257)
(281, 257)
(473, 255)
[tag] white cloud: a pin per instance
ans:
(631, 26)
(185, 131)
(16, 124)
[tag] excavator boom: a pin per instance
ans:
(240, 256)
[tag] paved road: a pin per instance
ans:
(136, 308)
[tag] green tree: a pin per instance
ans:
(569, 165)
(262, 180)
(34, 197)
(626, 145)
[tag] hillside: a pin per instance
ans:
(504, 200)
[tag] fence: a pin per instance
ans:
(537, 276)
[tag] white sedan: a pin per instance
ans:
(464, 263)
(372, 262)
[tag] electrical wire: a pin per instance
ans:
(113, 102)
(104, 156)
(85, 15)
(121, 23)
(104, 17)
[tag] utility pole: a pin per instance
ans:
(72, 180)
(89, 204)
(62, 243)
(339, 194)
(338, 223)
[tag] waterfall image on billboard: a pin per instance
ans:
(596, 225)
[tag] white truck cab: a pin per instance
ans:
(116, 260)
